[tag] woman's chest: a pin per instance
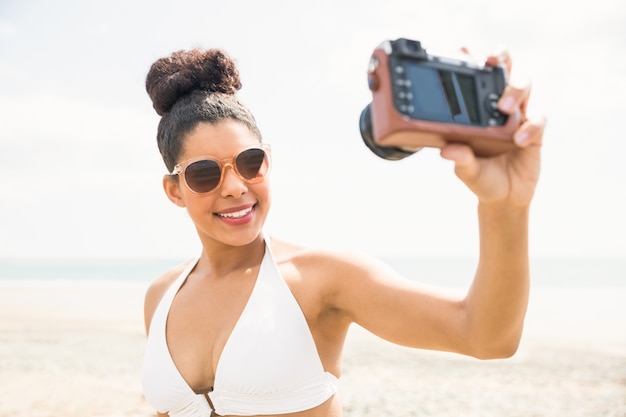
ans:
(257, 334)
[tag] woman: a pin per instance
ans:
(256, 326)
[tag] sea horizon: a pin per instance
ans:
(558, 272)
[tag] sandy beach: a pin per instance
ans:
(74, 349)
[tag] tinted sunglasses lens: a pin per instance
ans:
(203, 176)
(252, 164)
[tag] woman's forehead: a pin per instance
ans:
(221, 139)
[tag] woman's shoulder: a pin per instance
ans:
(286, 252)
(340, 281)
(331, 263)
(157, 289)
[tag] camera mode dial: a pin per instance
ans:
(372, 78)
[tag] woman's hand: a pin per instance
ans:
(509, 178)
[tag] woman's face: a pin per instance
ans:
(233, 213)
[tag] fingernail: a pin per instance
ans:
(521, 138)
(507, 103)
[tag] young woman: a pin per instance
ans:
(256, 326)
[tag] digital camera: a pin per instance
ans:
(422, 100)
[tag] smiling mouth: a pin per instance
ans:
(236, 214)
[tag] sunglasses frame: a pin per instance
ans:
(181, 167)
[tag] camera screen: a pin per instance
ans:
(442, 95)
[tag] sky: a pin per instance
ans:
(80, 173)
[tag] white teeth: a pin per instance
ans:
(236, 214)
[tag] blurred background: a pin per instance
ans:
(85, 225)
(80, 172)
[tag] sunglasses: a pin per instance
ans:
(205, 174)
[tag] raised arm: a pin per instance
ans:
(496, 303)
(488, 321)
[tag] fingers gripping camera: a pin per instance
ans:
(421, 100)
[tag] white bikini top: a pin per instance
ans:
(269, 365)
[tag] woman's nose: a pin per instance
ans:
(232, 183)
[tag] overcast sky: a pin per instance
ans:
(80, 173)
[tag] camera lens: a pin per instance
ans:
(367, 134)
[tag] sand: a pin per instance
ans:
(74, 349)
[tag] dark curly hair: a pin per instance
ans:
(190, 87)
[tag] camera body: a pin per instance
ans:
(422, 100)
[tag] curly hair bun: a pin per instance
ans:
(183, 72)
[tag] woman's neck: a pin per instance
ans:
(221, 260)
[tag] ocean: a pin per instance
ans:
(546, 272)
(567, 295)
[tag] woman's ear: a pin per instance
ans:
(171, 185)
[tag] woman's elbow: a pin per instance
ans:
(501, 349)
(501, 352)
